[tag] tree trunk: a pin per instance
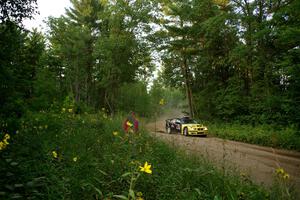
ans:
(89, 68)
(188, 87)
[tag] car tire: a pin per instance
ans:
(169, 131)
(185, 131)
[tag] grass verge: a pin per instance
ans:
(266, 135)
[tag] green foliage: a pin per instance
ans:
(10, 98)
(266, 135)
(16, 74)
(171, 98)
(67, 156)
(20, 60)
(45, 90)
(228, 103)
(281, 187)
(134, 97)
(244, 63)
(100, 50)
(16, 11)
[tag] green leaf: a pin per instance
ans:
(131, 193)
(120, 196)
(102, 172)
(126, 174)
(198, 191)
(98, 191)
(217, 197)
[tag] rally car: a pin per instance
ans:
(185, 126)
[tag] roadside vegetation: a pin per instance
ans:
(67, 156)
(264, 135)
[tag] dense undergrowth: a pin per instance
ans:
(67, 156)
(266, 135)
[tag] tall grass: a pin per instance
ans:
(96, 160)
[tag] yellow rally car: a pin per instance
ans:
(185, 126)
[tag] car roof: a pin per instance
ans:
(180, 118)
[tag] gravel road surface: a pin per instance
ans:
(257, 162)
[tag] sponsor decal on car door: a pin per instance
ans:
(177, 125)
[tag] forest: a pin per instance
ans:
(230, 63)
(234, 61)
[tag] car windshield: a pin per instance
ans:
(188, 121)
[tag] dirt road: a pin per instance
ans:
(259, 163)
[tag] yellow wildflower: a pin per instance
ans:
(75, 159)
(286, 176)
(2, 145)
(6, 136)
(146, 168)
(129, 124)
(243, 174)
(139, 194)
(70, 110)
(115, 133)
(54, 154)
(279, 171)
(162, 102)
(5, 142)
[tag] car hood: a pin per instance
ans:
(194, 125)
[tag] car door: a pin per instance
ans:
(177, 125)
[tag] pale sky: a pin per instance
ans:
(47, 8)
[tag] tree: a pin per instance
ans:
(101, 47)
(286, 42)
(237, 56)
(121, 55)
(85, 16)
(20, 60)
(177, 30)
(12, 59)
(16, 11)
